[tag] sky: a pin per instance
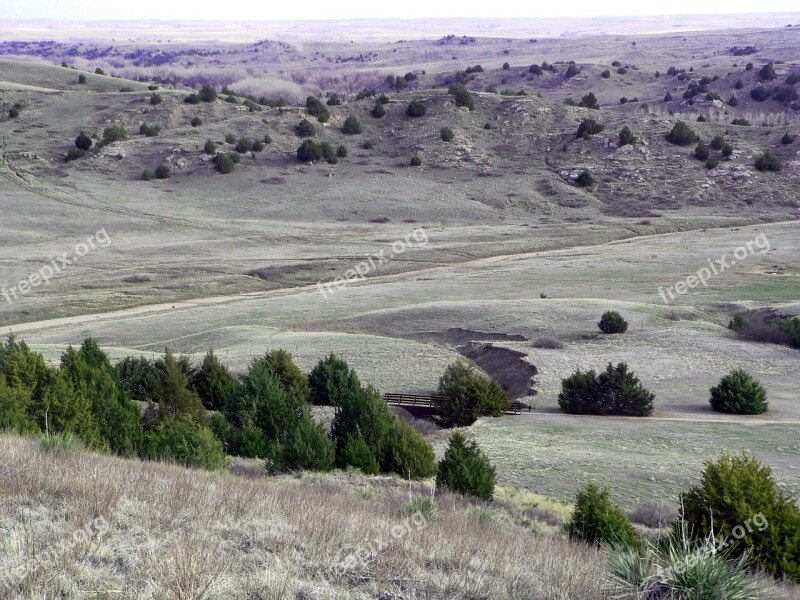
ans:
(246, 10)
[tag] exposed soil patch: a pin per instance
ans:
(507, 366)
(456, 336)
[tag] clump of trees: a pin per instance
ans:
(767, 161)
(469, 395)
(739, 393)
(615, 391)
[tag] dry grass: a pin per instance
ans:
(177, 533)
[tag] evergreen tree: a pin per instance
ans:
(329, 378)
(174, 397)
(213, 383)
(294, 381)
(465, 469)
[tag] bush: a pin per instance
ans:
(351, 126)
(305, 128)
(767, 73)
(469, 395)
(785, 94)
(571, 71)
(535, 70)
(462, 96)
(738, 393)
(416, 109)
(341, 152)
(612, 322)
(224, 163)
(717, 142)
(701, 151)
(138, 378)
(584, 179)
(185, 442)
(305, 447)
(760, 93)
(595, 519)
(787, 139)
(309, 151)
(208, 93)
(446, 134)
(416, 161)
(214, 383)
(589, 101)
(741, 122)
(465, 469)
(244, 145)
(378, 111)
(681, 135)
(156, 99)
(163, 171)
(149, 130)
(727, 151)
(733, 101)
(605, 74)
(315, 108)
(768, 162)
(99, 71)
(74, 154)
(737, 499)
(329, 378)
(404, 451)
(192, 99)
(81, 78)
(114, 133)
(626, 137)
(712, 163)
(667, 97)
(356, 453)
(334, 100)
(83, 141)
(210, 147)
(196, 122)
(614, 392)
(328, 153)
(588, 127)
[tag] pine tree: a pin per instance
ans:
(175, 399)
(465, 469)
(213, 383)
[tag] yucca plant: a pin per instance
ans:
(677, 566)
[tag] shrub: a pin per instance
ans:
(681, 135)
(416, 109)
(584, 179)
(138, 378)
(378, 111)
(74, 154)
(739, 84)
(738, 393)
(787, 139)
(614, 392)
(785, 94)
(382, 99)
(595, 519)
(404, 451)
(156, 99)
(83, 141)
(760, 93)
(114, 133)
(329, 378)
(701, 119)
(589, 101)
(304, 447)
(210, 147)
(548, 343)
(99, 71)
(368, 145)
(737, 499)
(612, 322)
(469, 395)
(506, 66)
(15, 409)
(341, 152)
(741, 122)
(149, 130)
(230, 138)
(488, 126)
(163, 171)
(317, 109)
(605, 74)
(334, 100)
(416, 161)
(309, 151)
(185, 442)
(465, 469)
(768, 162)
(701, 151)
(446, 134)
(571, 71)
(192, 99)
(357, 453)
(462, 96)
(733, 101)
(293, 380)
(328, 153)
(588, 127)
(352, 126)
(224, 163)
(667, 97)
(717, 142)
(626, 137)
(305, 128)
(727, 151)
(244, 145)
(81, 78)
(365, 94)
(196, 122)
(208, 93)
(711, 163)
(767, 73)
(267, 139)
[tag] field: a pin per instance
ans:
(489, 244)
